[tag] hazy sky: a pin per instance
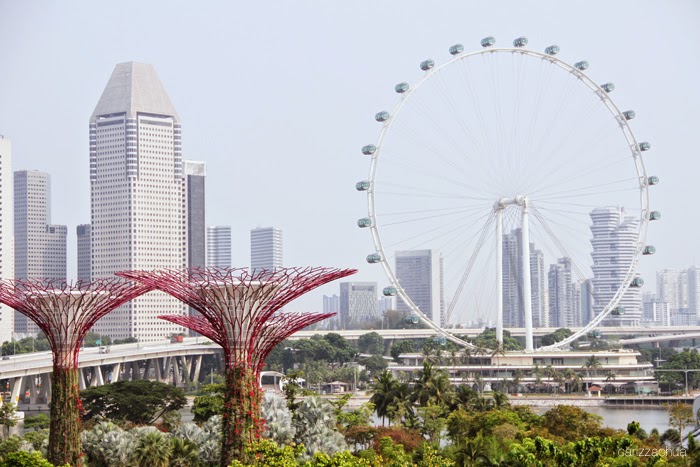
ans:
(278, 97)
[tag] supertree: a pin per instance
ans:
(240, 312)
(65, 313)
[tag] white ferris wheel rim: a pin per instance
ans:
(628, 135)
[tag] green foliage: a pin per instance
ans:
(572, 423)
(687, 359)
(8, 417)
(151, 450)
(680, 416)
(126, 340)
(399, 347)
(556, 336)
(371, 343)
(91, 340)
(26, 345)
(25, 459)
(487, 340)
(210, 402)
(37, 422)
(374, 364)
(140, 402)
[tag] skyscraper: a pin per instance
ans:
(195, 188)
(84, 261)
(265, 248)
(40, 247)
(513, 309)
(561, 294)
(137, 199)
(219, 246)
(7, 243)
(614, 244)
(358, 304)
(694, 291)
(420, 274)
(672, 288)
(331, 304)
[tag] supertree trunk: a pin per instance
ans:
(242, 417)
(64, 440)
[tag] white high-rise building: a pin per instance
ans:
(694, 291)
(137, 196)
(40, 247)
(219, 246)
(331, 304)
(265, 248)
(614, 244)
(561, 294)
(358, 304)
(7, 243)
(672, 288)
(84, 261)
(513, 309)
(419, 273)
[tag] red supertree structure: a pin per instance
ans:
(65, 313)
(239, 311)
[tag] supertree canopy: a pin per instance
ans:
(65, 313)
(240, 311)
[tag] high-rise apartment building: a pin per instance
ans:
(7, 244)
(84, 261)
(265, 248)
(513, 309)
(614, 245)
(40, 247)
(358, 304)
(655, 312)
(420, 274)
(137, 196)
(694, 291)
(195, 192)
(672, 288)
(331, 304)
(219, 246)
(561, 294)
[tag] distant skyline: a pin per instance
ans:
(277, 101)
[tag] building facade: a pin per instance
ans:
(137, 196)
(7, 243)
(614, 242)
(513, 309)
(84, 255)
(265, 248)
(672, 288)
(40, 247)
(419, 273)
(694, 291)
(195, 192)
(218, 246)
(358, 304)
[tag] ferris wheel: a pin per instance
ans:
(498, 159)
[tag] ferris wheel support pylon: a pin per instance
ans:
(527, 293)
(499, 273)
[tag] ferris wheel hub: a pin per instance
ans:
(519, 200)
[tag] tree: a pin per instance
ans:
(572, 423)
(592, 363)
(151, 450)
(400, 347)
(371, 343)
(556, 336)
(8, 417)
(679, 416)
(37, 422)
(140, 402)
(383, 393)
(210, 402)
(375, 364)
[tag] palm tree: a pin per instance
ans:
(474, 452)
(151, 450)
(500, 400)
(549, 372)
(383, 393)
(560, 379)
(592, 363)
(517, 378)
(184, 453)
(537, 373)
(432, 386)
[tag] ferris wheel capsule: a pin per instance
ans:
(619, 310)
(649, 250)
(401, 88)
(369, 149)
(637, 282)
(520, 42)
(456, 49)
(644, 146)
(382, 116)
(595, 334)
(582, 65)
(427, 64)
(653, 180)
(442, 340)
(389, 291)
(608, 87)
(364, 222)
(629, 114)
(362, 185)
(374, 258)
(488, 41)
(654, 215)
(552, 50)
